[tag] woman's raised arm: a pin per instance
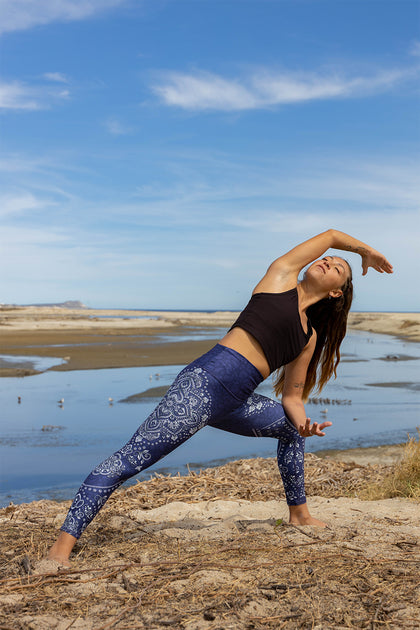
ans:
(313, 248)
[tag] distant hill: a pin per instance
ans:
(67, 304)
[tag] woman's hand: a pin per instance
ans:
(376, 260)
(308, 429)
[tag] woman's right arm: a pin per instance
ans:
(294, 382)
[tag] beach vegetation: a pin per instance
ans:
(404, 478)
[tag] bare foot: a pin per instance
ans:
(61, 549)
(299, 515)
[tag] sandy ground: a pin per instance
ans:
(91, 339)
(405, 325)
(213, 551)
(37, 318)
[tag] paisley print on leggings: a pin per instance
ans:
(185, 408)
(200, 395)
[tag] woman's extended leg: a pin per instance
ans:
(260, 416)
(196, 396)
(188, 405)
(185, 408)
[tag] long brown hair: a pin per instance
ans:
(329, 318)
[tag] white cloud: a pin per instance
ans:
(281, 89)
(58, 77)
(205, 91)
(21, 202)
(17, 15)
(17, 95)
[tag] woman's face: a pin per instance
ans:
(331, 273)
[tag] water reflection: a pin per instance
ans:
(382, 408)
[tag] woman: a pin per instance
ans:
(298, 325)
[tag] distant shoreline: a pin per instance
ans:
(85, 338)
(54, 318)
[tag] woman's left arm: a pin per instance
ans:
(313, 248)
(295, 377)
(370, 257)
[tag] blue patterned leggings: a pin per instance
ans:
(215, 390)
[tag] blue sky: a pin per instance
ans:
(161, 153)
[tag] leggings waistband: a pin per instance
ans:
(231, 369)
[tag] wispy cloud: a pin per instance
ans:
(206, 213)
(58, 77)
(18, 95)
(206, 91)
(18, 15)
(19, 203)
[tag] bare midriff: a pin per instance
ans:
(243, 342)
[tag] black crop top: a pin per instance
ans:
(274, 320)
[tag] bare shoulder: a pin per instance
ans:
(283, 272)
(279, 277)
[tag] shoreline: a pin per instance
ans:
(384, 455)
(91, 339)
(212, 547)
(55, 318)
(360, 456)
(85, 342)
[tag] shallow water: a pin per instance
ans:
(378, 374)
(33, 362)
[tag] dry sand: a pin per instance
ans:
(213, 551)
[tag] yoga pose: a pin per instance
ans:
(294, 327)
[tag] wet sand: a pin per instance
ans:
(92, 339)
(90, 350)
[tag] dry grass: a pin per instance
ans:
(363, 573)
(403, 480)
